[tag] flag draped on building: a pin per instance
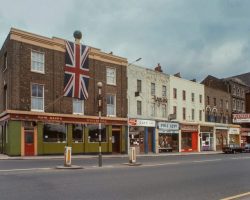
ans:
(76, 71)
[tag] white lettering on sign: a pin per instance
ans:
(168, 126)
(241, 118)
(234, 131)
(141, 122)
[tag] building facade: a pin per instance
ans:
(186, 105)
(148, 92)
(37, 119)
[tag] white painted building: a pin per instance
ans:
(186, 103)
(147, 94)
(186, 99)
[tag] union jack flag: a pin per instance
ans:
(76, 71)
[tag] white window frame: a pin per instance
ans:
(43, 67)
(114, 114)
(82, 106)
(36, 97)
(109, 77)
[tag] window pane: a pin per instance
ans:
(34, 90)
(94, 133)
(77, 133)
(54, 133)
(37, 61)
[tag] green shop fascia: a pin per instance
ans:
(24, 133)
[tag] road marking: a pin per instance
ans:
(238, 158)
(201, 161)
(160, 164)
(27, 169)
(237, 196)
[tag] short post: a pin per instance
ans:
(67, 156)
(99, 85)
(132, 155)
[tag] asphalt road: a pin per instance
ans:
(201, 177)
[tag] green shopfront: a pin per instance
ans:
(31, 133)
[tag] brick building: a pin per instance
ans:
(36, 118)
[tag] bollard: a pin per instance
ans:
(67, 156)
(132, 155)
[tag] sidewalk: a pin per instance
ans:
(5, 157)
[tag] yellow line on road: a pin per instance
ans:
(237, 196)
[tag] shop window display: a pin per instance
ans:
(168, 142)
(136, 136)
(54, 133)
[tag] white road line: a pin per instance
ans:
(27, 169)
(160, 164)
(202, 161)
(237, 196)
(240, 158)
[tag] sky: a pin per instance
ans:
(194, 37)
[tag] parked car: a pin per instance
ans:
(233, 148)
(247, 148)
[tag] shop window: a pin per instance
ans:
(54, 133)
(37, 61)
(136, 136)
(186, 140)
(111, 76)
(153, 89)
(94, 133)
(77, 133)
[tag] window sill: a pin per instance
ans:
(39, 72)
(34, 110)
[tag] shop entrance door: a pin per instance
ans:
(29, 142)
(116, 142)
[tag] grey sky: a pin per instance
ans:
(194, 37)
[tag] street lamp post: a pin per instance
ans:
(99, 85)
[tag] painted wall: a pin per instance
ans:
(190, 87)
(147, 76)
(13, 147)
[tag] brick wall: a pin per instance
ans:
(19, 78)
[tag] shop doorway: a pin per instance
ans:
(29, 147)
(207, 141)
(189, 141)
(116, 141)
(221, 140)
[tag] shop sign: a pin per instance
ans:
(221, 128)
(141, 122)
(234, 131)
(168, 126)
(241, 118)
(189, 127)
